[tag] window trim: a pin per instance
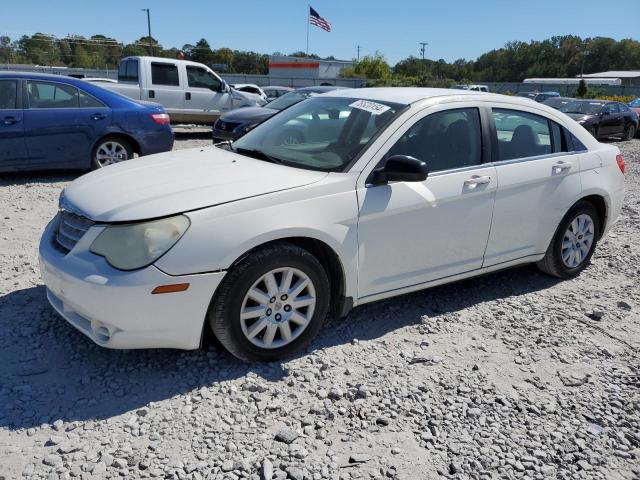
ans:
(169, 64)
(19, 99)
(27, 104)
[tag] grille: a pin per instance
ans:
(226, 126)
(70, 230)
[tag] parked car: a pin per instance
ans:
(232, 125)
(538, 96)
(604, 118)
(475, 88)
(273, 92)
(190, 92)
(55, 121)
(250, 88)
(393, 191)
(635, 105)
(557, 102)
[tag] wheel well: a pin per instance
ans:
(130, 140)
(601, 207)
(328, 258)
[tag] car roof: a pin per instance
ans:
(322, 88)
(40, 76)
(403, 95)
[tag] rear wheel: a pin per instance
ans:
(629, 132)
(111, 150)
(574, 242)
(272, 304)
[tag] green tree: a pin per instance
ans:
(582, 90)
(370, 66)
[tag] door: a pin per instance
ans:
(612, 122)
(410, 233)
(204, 93)
(13, 149)
(55, 133)
(538, 181)
(166, 87)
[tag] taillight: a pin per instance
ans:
(620, 161)
(160, 118)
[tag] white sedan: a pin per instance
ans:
(387, 191)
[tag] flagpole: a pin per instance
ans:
(308, 21)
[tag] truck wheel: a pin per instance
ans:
(271, 304)
(111, 150)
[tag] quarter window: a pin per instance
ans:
(128, 71)
(8, 94)
(201, 78)
(52, 95)
(444, 140)
(521, 134)
(87, 101)
(164, 74)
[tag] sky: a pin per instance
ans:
(453, 28)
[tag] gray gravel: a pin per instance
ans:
(513, 375)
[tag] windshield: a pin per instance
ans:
(635, 103)
(320, 133)
(288, 99)
(586, 108)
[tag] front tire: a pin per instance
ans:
(111, 150)
(271, 304)
(574, 242)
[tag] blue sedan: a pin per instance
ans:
(53, 122)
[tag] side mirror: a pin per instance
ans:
(400, 168)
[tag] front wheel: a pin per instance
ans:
(109, 151)
(272, 304)
(574, 242)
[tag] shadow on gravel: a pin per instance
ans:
(53, 176)
(195, 134)
(49, 371)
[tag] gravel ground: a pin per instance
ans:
(512, 375)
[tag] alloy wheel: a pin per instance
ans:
(578, 240)
(277, 308)
(111, 152)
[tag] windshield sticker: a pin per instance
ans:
(371, 107)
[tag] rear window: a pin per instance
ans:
(164, 74)
(8, 94)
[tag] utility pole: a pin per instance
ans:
(149, 29)
(585, 52)
(358, 47)
(423, 49)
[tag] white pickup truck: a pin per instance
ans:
(190, 92)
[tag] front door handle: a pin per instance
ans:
(562, 166)
(187, 95)
(98, 116)
(476, 180)
(10, 120)
(152, 94)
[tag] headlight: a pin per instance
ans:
(133, 246)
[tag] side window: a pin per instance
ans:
(51, 95)
(87, 101)
(623, 107)
(444, 140)
(611, 108)
(200, 78)
(575, 144)
(521, 134)
(164, 74)
(128, 71)
(8, 94)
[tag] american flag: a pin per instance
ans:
(318, 21)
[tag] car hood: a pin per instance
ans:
(242, 115)
(176, 182)
(581, 116)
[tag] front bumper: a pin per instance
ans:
(223, 135)
(116, 309)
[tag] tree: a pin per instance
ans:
(370, 66)
(582, 89)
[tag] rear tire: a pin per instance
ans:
(574, 242)
(111, 150)
(629, 132)
(257, 313)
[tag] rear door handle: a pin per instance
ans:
(562, 166)
(10, 120)
(187, 95)
(476, 180)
